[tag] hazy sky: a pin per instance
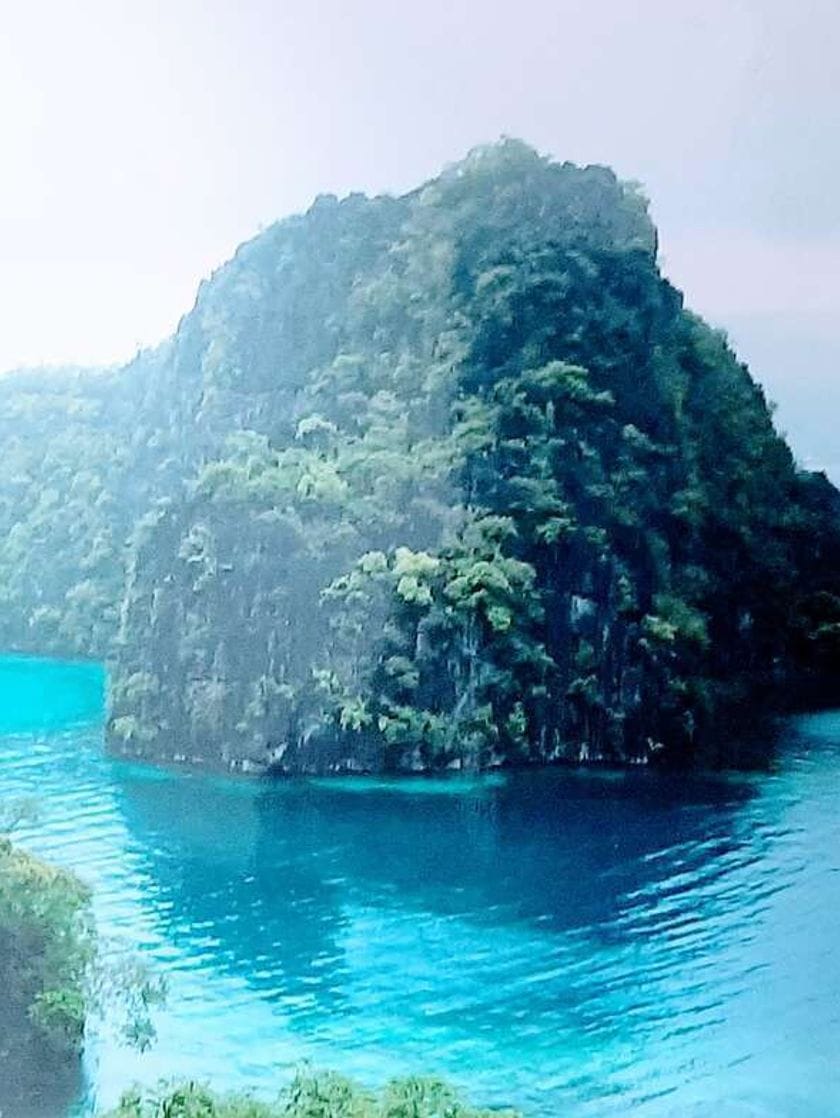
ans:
(141, 142)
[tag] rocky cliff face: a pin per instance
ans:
(443, 480)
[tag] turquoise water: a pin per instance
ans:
(582, 945)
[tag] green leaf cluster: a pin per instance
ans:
(310, 1095)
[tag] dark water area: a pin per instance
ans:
(579, 944)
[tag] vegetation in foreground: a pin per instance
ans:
(53, 979)
(310, 1095)
(48, 946)
(47, 950)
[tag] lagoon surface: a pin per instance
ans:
(579, 944)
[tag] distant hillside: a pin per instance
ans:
(441, 480)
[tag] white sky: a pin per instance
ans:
(141, 142)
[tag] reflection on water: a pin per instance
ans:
(578, 944)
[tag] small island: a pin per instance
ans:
(448, 480)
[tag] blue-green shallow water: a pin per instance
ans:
(581, 945)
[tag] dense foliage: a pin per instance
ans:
(46, 950)
(79, 469)
(441, 480)
(46, 947)
(310, 1095)
(54, 977)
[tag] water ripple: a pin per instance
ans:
(573, 944)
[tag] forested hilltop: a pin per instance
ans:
(439, 480)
